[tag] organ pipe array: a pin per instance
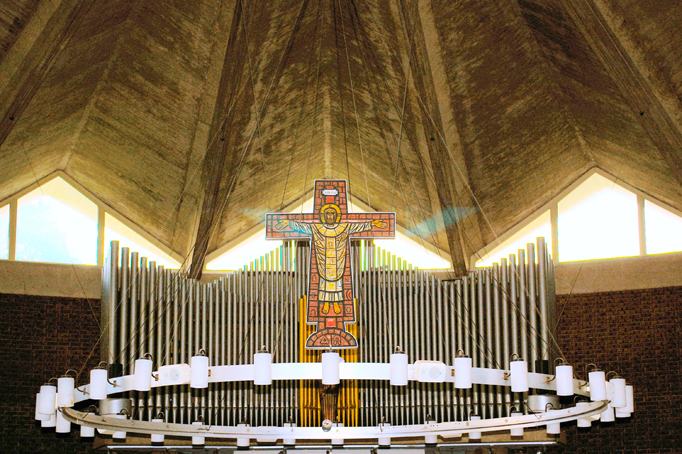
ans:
(489, 315)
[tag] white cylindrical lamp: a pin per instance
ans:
(243, 442)
(157, 439)
(142, 378)
(564, 380)
(398, 368)
(630, 398)
(330, 368)
(618, 398)
(584, 422)
(87, 431)
(119, 435)
(622, 413)
(519, 376)
(262, 368)
(289, 441)
(384, 442)
(98, 384)
(608, 415)
(63, 426)
(38, 415)
(51, 420)
(48, 399)
(518, 432)
(430, 439)
(65, 392)
(198, 440)
(463, 368)
(553, 428)
(597, 380)
(199, 367)
(337, 441)
(475, 435)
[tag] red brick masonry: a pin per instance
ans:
(638, 333)
(41, 337)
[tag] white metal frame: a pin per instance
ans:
(180, 374)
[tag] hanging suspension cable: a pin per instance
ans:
(339, 86)
(255, 100)
(314, 123)
(302, 111)
(355, 108)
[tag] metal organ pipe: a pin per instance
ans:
(123, 312)
(505, 321)
(134, 332)
(497, 337)
(542, 293)
(142, 332)
(488, 345)
(109, 303)
(532, 309)
(487, 314)
(523, 314)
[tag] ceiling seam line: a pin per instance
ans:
(255, 101)
(355, 109)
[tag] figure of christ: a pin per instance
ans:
(330, 302)
(330, 243)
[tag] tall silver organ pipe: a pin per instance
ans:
(490, 314)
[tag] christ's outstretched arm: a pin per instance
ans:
(294, 225)
(358, 227)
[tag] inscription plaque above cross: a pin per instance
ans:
(330, 227)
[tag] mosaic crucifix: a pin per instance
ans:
(330, 293)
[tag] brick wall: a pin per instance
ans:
(40, 338)
(638, 333)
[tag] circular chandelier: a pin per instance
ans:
(595, 398)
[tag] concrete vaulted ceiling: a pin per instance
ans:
(194, 119)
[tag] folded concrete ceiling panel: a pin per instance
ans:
(51, 89)
(134, 146)
(520, 142)
(329, 107)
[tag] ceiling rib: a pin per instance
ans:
(215, 157)
(426, 90)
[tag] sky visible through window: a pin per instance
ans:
(598, 220)
(411, 249)
(663, 230)
(56, 223)
(126, 237)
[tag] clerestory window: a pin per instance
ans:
(56, 223)
(598, 219)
